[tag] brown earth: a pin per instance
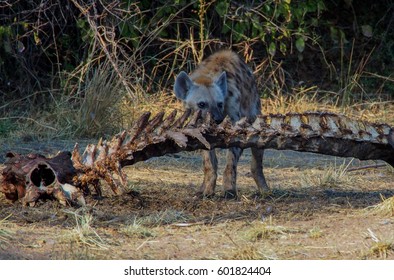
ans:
(316, 211)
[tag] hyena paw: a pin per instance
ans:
(262, 193)
(230, 194)
(202, 195)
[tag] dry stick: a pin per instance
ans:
(366, 167)
(103, 44)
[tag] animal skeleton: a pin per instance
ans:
(316, 132)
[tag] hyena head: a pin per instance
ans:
(203, 93)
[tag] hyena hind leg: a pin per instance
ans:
(257, 170)
(230, 173)
(210, 164)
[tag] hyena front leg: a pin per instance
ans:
(210, 173)
(257, 170)
(230, 173)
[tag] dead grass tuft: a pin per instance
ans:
(315, 233)
(313, 99)
(267, 230)
(74, 251)
(381, 248)
(92, 107)
(165, 217)
(136, 229)
(253, 252)
(300, 100)
(84, 233)
(332, 176)
(162, 101)
(5, 233)
(385, 208)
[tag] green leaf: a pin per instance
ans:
(283, 48)
(272, 49)
(20, 46)
(7, 46)
(300, 44)
(240, 28)
(226, 28)
(37, 39)
(298, 13)
(256, 24)
(286, 33)
(314, 22)
(221, 7)
(342, 36)
(367, 31)
(321, 6)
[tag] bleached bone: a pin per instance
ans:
(29, 177)
(316, 132)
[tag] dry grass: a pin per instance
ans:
(309, 99)
(83, 232)
(137, 229)
(116, 82)
(385, 208)
(330, 177)
(108, 92)
(382, 248)
(267, 230)
(95, 108)
(316, 232)
(163, 221)
(5, 233)
(162, 101)
(105, 110)
(300, 100)
(165, 217)
(252, 252)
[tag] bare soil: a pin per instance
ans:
(308, 214)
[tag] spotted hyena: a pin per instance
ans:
(224, 86)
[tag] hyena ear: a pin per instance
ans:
(222, 83)
(182, 85)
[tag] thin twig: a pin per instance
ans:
(102, 42)
(31, 119)
(366, 167)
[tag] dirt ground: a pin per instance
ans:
(317, 210)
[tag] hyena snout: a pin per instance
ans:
(217, 116)
(218, 121)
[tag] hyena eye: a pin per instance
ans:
(201, 105)
(220, 105)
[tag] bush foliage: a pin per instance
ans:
(52, 50)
